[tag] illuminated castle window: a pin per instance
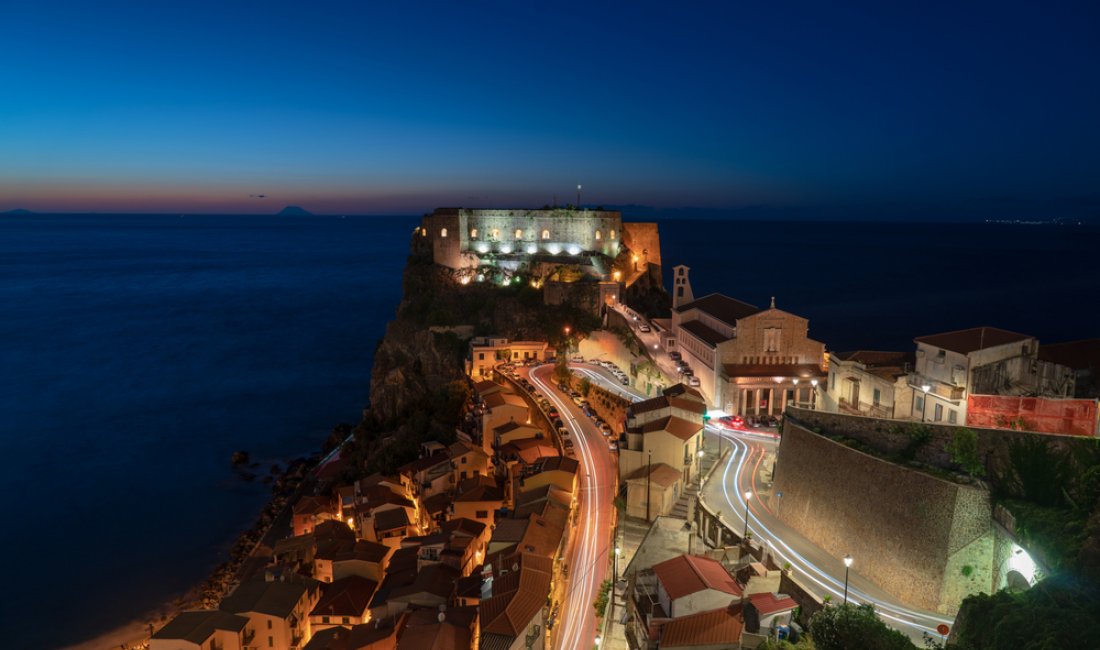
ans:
(546, 234)
(443, 232)
(598, 236)
(473, 233)
(519, 234)
(611, 234)
(496, 233)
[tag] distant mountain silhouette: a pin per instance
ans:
(294, 211)
(17, 211)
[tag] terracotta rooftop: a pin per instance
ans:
(529, 450)
(972, 340)
(314, 505)
(424, 463)
(688, 574)
(769, 603)
(424, 630)
(800, 370)
(888, 365)
(679, 427)
(364, 635)
(517, 597)
(198, 626)
(346, 597)
(495, 400)
(687, 399)
(661, 474)
(508, 427)
(705, 334)
(391, 519)
(275, 598)
(557, 463)
(479, 488)
(718, 627)
(436, 579)
(726, 309)
(365, 551)
(486, 387)
(463, 526)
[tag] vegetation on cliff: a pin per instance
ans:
(846, 627)
(418, 388)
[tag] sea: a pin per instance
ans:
(138, 352)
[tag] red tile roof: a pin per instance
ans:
(661, 474)
(704, 333)
(479, 488)
(679, 427)
(517, 597)
(718, 626)
(688, 574)
(972, 340)
(346, 597)
(769, 603)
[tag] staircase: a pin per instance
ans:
(682, 507)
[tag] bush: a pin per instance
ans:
(854, 626)
(964, 452)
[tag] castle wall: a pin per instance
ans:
(909, 532)
(644, 240)
(461, 236)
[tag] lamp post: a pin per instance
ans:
(748, 497)
(813, 395)
(847, 565)
(699, 465)
(924, 402)
(618, 551)
(579, 207)
(598, 640)
(796, 395)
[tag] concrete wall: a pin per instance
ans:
(909, 532)
(891, 437)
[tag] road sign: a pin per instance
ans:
(943, 629)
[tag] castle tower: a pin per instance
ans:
(681, 286)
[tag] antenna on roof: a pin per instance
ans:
(773, 302)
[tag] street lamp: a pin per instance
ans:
(579, 207)
(618, 551)
(924, 402)
(598, 640)
(748, 497)
(813, 395)
(847, 565)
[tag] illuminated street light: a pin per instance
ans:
(748, 497)
(598, 640)
(924, 403)
(618, 551)
(847, 565)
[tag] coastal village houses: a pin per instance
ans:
(749, 361)
(983, 376)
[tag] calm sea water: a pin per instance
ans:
(139, 351)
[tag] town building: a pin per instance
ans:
(277, 609)
(746, 360)
(872, 383)
(487, 352)
(658, 452)
(513, 616)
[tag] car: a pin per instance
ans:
(563, 432)
(645, 328)
(693, 381)
(605, 428)
(613, 444)
(624, 380)
(687, 372)
(576, 358)
(675, 356)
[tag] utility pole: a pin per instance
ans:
(649, 470)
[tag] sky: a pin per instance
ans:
(399, 107)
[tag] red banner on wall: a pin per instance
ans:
(1073, 417)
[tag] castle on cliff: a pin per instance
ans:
(573, 255)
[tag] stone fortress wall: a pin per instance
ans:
(909, 532)
(460, 237)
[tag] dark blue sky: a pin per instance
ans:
(370, 108)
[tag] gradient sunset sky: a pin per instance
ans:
(398, 107)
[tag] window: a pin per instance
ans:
(481, 514)
(269, 623)
(598, 236)
(832, 381)
(324, 619)
(347, 620)
(270, 640)
(952, 416)
(772, 336)
(546, 234)
(496, 233)
(481, 356)
(443, 232)
(473, 233)
(611, 234)
(919, 403)
(939, 413)
(876, 397)
(519, 233)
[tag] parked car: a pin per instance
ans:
(645, 328)
(605, 428)
(553, 413)
(624, 380)
(563, 432)
(576, 358)
(613, 444)
(693, 381)
(687, 372)
(675, 356)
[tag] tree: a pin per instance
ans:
(854, 626)
(562, 374)
(964, 451)
(585, 386)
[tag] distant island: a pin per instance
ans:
(17, 211)
(294, 211)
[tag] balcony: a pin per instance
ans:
(937, 388)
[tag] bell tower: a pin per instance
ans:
(681, 286)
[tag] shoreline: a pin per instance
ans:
(207, 594)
